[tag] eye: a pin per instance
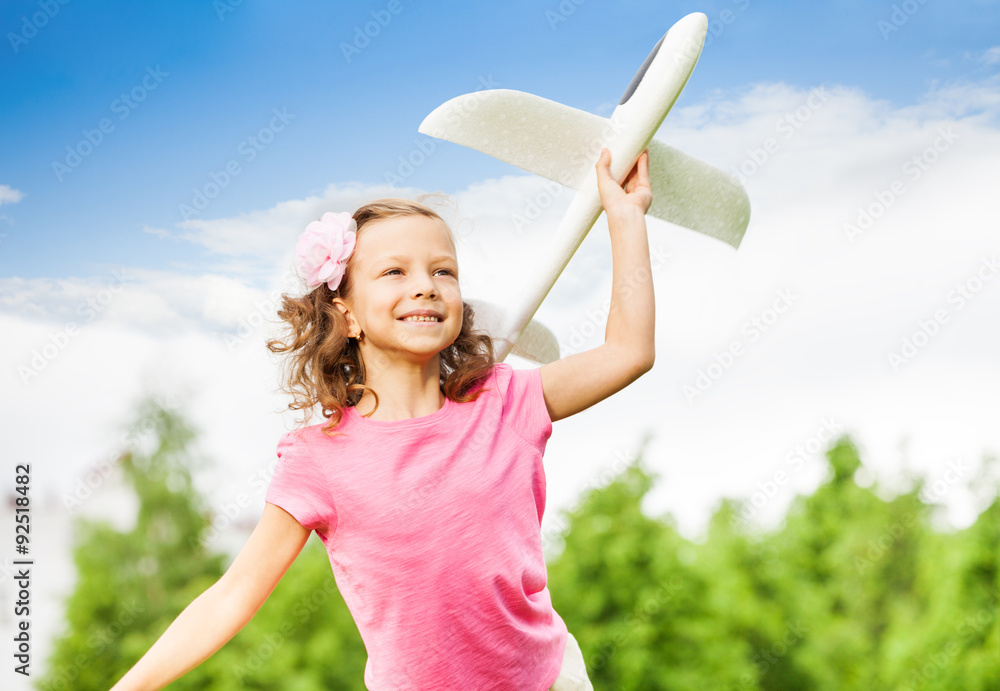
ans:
(446, 270)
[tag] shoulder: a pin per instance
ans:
(506, 381)
(523, 402)
(502, 372)
(492, 381)
(297, 442)
(290, 442)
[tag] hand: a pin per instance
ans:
(636, 191)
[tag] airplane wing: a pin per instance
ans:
(562, 143)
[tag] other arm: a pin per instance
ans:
(578, 381)
(224, 608)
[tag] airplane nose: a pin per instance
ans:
(642, 70)
(685, 44)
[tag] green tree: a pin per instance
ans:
(131, 585)
(627, 588)
(851, 591)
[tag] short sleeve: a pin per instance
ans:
(299, 486)
(524, 404)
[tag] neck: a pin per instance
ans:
(405, 390)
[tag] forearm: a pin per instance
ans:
(631, 317)
(196, 634)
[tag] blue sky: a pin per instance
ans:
(222, 70)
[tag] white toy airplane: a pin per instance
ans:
(563, 144)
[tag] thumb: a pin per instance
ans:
(604, 160)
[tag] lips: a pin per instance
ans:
(423, 313)
(420, 321)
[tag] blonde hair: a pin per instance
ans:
(325, 365)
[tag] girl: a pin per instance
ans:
(426, 482)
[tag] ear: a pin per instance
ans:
(353, 328)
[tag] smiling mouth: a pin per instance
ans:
(421, 321)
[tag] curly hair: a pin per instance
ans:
(325, 365)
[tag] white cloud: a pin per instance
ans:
(158, 232)
(808, 171)
(265, 233)
(991, 56)
(9, 195)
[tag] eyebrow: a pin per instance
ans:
(401, 258)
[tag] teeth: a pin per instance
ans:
(421, 319)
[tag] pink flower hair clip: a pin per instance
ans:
(323, 249)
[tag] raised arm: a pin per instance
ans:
(225, 607)
(578, 381)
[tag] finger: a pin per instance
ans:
(633, 177)
(643, 165)
(604, 164)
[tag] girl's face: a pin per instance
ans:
(402, 265)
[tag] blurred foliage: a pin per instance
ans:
(851, 591)
(132, 584)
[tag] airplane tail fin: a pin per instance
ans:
(536, 343)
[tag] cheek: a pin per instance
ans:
(383, 299)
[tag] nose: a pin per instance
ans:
(424, 286)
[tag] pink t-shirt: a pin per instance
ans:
(433, 529)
